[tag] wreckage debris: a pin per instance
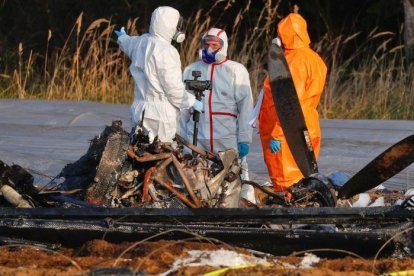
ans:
(123, 170)
(120, 170)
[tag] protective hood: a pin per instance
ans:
(223, 36)
(292, 30)
(164, 22)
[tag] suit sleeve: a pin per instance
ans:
(185, 115)
(126, 44)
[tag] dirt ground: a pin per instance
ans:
(99, 257)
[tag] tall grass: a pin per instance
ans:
(370, 83)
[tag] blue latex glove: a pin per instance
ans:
(274, 145)
(243, 149)
(121, 32)
(198, 106)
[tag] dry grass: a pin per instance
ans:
(370, 83)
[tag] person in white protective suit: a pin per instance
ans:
(159, 92)
(227, 105)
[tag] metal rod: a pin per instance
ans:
(164, 164)
(196, 119)
(186, 182)
(147, 180)
(177, 193)
(147, 156)
(206, 154)
(277, 197)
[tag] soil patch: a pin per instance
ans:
(99, 257)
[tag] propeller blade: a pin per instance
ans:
(290, 112)
(384, 166)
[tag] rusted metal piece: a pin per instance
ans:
(206, 154)
(163, 179)
(186, 182)
(147, 157)
(147, 180)
(181, 196)
(163, 165)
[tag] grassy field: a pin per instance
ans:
(371, 82)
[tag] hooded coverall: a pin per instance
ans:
(227, 106)
(159, 92)
(309, 73)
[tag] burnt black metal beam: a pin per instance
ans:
(73, 233)
(327, 215)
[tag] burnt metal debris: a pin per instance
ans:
(128, 187)
(121, 170)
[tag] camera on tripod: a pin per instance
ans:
(197, 85)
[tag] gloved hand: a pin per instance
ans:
(121, 32)
(274, 145)
(243, 149)
(198, 105)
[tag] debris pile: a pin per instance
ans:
(120, 170)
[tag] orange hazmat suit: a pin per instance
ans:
(309, 74)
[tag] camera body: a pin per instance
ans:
(198, 86)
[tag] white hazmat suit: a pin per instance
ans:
(227, 106)
(159, 92)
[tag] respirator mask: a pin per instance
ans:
(207, 53)
(179, 35)
(277, 41)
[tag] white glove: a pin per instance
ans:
(198, 105)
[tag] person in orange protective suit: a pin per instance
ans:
(309, 74)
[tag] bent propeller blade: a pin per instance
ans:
(384, 166)
(290, 112)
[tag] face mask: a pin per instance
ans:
(179, 35)
(207, 54)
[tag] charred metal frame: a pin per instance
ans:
(324, 215)
(237, 227)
